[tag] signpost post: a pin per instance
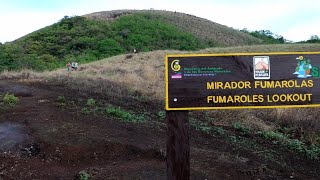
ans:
(178, 149)
(233, 81)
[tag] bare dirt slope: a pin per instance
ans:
(63, 142)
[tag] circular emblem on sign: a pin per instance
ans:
(175, 65)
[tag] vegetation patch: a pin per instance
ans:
(124, 115)
(200, 126)
(242, 128)
(267, 36)
(10, 99)
(61, 101)
(312, 151)
(85, 40)
(83, 175)
(91, 102)
(243, 141)
(161, 115)
(92, 106)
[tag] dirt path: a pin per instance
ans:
(71, 142)
(47, 141)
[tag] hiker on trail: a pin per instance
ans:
(68, 66)
(72, 65)
(75, 65)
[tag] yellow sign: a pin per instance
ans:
(242, 80)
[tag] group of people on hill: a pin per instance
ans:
(73, 66)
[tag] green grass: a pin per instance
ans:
(10, 99)
(91, 102)
(124, 115)
(161, 115)
(238, 141)
(85, 110)
(311, 152)
(205, 127)
(97, 108)
(271, 135)
(92, 106)
(83, 175)
(242, 128)
(61, 101)
(199, 125)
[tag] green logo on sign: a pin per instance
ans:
(303, 67)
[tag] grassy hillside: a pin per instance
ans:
(88, 40)
(115, 107)
(91, 38)
(140, 77)
(144, 72)
(204, 29)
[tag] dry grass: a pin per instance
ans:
(23, 74)
(143, 72)
(247, 117)
(143, 75)
(266, 48)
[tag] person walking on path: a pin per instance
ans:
(72, 65)
(75, 65)
(68, 66)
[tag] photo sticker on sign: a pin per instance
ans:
(261, 67)
(303, 67)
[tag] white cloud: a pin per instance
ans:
(302, 31)
(246, 16)
(20, 24)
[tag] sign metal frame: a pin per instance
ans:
(167, 66)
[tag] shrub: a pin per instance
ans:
(61, 99)
(271, 135)
(199, 126)
(91, 102)
(10, 99)
(124, 115)
(240, 127)
(162, 115)
(83, 175)
(85, 110)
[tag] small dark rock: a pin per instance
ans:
(31, 150)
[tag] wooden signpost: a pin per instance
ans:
(232, 81)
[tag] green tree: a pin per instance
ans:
(313, 39)
(109, 47)
(267, 36)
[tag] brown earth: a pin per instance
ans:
(59, 142)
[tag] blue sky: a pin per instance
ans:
(294, 19)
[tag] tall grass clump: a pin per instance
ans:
(124, 115)
(10, 99)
